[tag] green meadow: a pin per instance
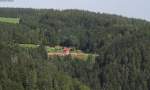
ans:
(28, 45)
(9, 20)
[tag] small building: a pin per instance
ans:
(66, 51)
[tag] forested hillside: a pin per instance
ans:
(122, 45)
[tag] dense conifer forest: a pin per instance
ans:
(122, 45)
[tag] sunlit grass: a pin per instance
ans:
(54, 49)
(9, 20)
(28, 45)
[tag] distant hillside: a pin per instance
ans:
(82, 29)
(122, 45)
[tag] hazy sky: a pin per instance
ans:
(130, 8)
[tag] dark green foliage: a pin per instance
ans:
(25, 69)
(81, 29)
(123, 46)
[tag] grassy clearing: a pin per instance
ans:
(83, 56)
(54, 49)
(28, 45)
(10, 20)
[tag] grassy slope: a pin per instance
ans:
(9, 20)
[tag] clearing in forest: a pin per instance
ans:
(63, 51)
(28, 45)
(9, 20)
